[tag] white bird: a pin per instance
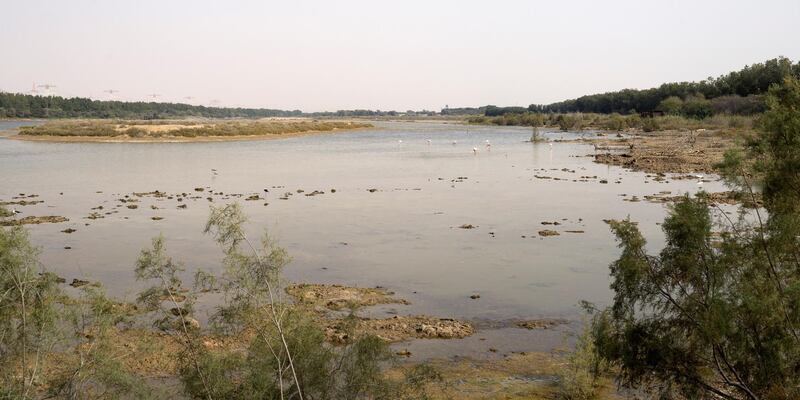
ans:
(551, 145)
(699, 176)
(14, 210)
(474, 150)
(454, 142)
(399, 141)
(429, 141)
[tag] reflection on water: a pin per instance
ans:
(405, 235)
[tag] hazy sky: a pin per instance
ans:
(328, 55)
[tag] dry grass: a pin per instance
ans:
(183, 129)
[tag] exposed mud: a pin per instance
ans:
(321, 299)
(32, 220)
(665, 151)
(747, 200)
(398, 328)
(337, 297)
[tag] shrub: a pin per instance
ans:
(717, 314)
(650, 125)
(672, 105)
(566, 121)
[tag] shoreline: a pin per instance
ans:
(169, 139)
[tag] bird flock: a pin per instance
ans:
(487, 144)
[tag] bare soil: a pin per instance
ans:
(665, 151)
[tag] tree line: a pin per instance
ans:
(739, 92)
(18, 105)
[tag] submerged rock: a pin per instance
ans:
(337, 297)
(541, 323)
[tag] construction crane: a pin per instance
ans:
(111, 91)
(48, 86)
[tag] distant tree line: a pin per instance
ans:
(464, 111)
(15, 105)
(739, 92)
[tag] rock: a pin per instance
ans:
(475, 296)
(540, 323)
(182, 206)
(403, 353)
(467, 226)
(76, 283)
(191, 323)
(548, 232)
(132, 206)
(69, 230)
(372, 190)
(156, 218)
(178, 311)
(199, 189)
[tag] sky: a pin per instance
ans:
(398, 55)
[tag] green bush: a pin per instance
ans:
(716, 314)
(650, 124)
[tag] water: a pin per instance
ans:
(404, 236)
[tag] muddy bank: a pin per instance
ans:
(528, 375)
(665, 152)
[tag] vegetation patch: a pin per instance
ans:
(145, 130)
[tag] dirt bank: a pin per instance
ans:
(665, 151)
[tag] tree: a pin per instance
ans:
(696, 106)
(717, 315)
(672, 105)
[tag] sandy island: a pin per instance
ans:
(108, 131)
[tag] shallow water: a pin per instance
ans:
(404, 236)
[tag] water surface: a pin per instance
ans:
(404, 235)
